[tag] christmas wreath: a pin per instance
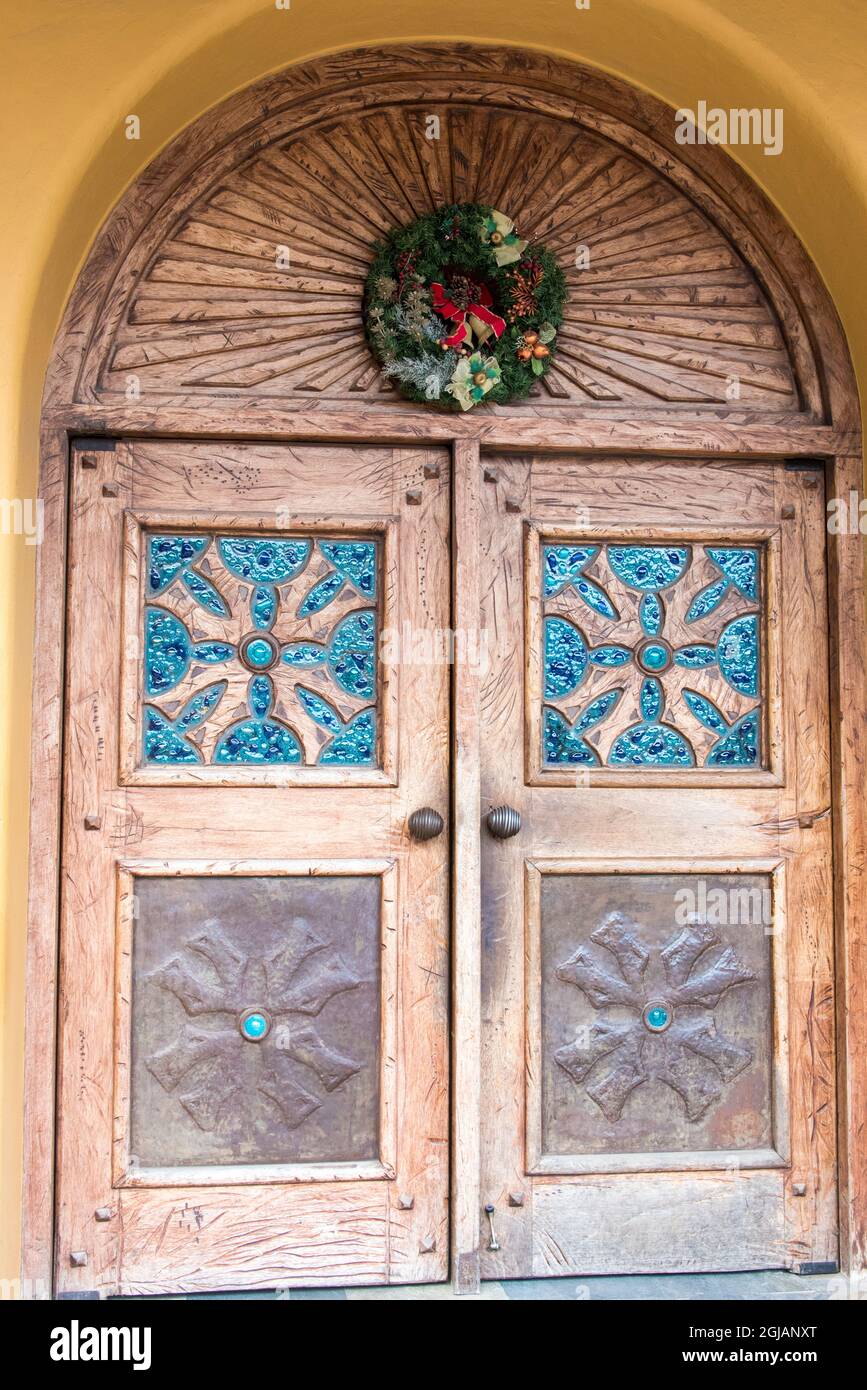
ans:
(458, 309)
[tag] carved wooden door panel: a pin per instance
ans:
(254, 954)
(657, 1054)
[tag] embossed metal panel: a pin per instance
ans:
(657, 1027)
(652, 656)
(259, 650)
(255, 1020)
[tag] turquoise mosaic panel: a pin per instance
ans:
(290, 622)
(624, 626)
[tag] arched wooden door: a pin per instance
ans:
(255, 955)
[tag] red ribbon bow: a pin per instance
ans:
(482, 311)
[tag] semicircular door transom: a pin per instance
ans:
(257, 290)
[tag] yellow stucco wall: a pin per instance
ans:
(72, 70)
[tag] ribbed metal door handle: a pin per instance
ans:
(425, 823)
(503, 822)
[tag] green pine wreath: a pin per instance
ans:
(458, 309)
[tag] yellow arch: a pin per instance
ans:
(71, 77)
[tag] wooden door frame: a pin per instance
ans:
(698, 434)
(843, 471)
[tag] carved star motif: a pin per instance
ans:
(669, 1028)
(212, 1062)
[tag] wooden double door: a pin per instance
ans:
(255, 967)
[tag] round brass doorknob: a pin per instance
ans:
(503, 822)
(425, 824)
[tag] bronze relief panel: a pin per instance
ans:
(656, 1013)
(255, 1020)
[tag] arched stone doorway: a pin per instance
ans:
(701, 388)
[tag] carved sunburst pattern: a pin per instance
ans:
(651, 656)
(250, 1038)
(259, 651)
(662, 1030)
(257, 289)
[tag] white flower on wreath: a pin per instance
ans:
(473, 378)
(498, 231)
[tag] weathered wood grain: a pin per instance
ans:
(616, 431)
(253, 1228)
(503, 1166)
(652, 821)
(466, 888)
(213, 313)
(193, 238)
(849, 758)
(701, 1223)
(686, 290)
(37, 1236)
